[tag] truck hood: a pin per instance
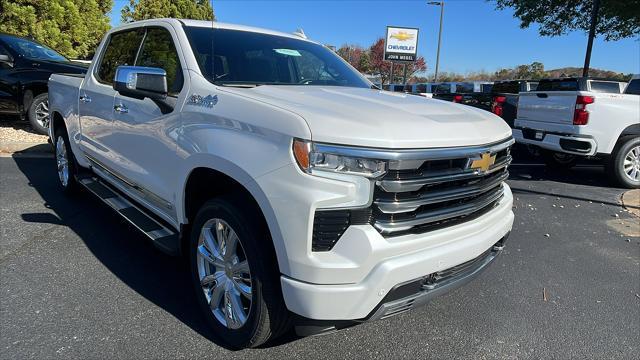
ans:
(382, 119)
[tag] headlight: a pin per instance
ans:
(312, 160)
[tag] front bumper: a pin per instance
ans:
(397, 261)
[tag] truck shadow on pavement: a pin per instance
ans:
(128, 254)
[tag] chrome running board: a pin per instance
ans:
(163, 236)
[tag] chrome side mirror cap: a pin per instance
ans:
(141, 82)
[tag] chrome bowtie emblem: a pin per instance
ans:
(208, 101)
(484, 162)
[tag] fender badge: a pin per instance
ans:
(208, 101)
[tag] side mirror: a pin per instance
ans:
(141, 82)
(6, 59)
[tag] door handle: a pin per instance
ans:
(85, 98)
(120, 108)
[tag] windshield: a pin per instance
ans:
(233, 57)
(32, 50)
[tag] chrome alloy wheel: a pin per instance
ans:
(224, 273)
(631, 164)
(42, 113)
(63, 161)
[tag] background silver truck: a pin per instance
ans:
(577, 117)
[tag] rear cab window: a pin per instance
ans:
(464, 88)
(558, 85)
(605, 86)
(442, 89)
(507, 87)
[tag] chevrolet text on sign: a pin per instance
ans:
(401, 44)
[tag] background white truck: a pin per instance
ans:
(577, 117)
(300, 194)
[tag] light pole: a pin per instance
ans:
(441, 4)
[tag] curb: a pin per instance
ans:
(631, 201)
(13, 147)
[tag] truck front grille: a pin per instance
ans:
(423, 190)
(419, 195)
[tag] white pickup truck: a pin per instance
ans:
(301, 195)
(571, 118)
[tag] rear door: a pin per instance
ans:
(553, 102)
(96, 95)
(144, 138)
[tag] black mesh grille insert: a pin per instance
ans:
(329, 225)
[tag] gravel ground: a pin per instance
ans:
(13, 130)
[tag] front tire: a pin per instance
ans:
(625, 163)
(38, 114)
(558, 160)
(235, 273)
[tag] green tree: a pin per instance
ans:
(364, 64)
(181, 9)
(617, 19)
(73, 28)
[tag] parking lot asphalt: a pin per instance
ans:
(76, 281)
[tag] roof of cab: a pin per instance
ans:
(217, 25)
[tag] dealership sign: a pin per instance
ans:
(401, 44)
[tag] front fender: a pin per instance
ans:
(232, 170)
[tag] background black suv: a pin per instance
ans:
(25, 67)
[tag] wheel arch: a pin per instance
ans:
(31, 90)
(56, 122)
(631, 130)
(205, 181)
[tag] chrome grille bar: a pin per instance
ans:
(414, 184)
(421, 218)
(393, 205)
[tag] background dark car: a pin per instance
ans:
(476, 93)
(505, 97)
(25, 67)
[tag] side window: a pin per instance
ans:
(4, 65)
(633, 87)
(121, 50)
(159, 51)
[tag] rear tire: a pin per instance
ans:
(38, 114)
(243, 281)
(557, 160)
(65, 162)
(624, 163)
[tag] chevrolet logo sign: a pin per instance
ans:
(484, 163)
(402, 36)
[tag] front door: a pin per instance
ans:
(97, 95)
(145, 138)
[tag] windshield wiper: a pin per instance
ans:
(238, 85)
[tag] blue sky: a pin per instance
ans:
(475, 36)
